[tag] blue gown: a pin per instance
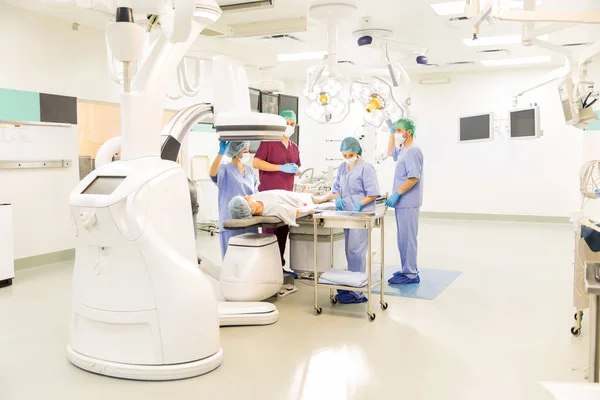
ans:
(409, 164)
(231, 183)
(354, 186)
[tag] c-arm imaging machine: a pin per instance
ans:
(141, 308)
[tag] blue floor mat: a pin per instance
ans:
(433, 282)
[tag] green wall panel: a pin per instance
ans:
(203, 128)
(16, 105)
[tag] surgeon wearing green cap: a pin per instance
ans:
(407, 197)
(278, 163)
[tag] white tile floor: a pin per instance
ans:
(497, 331)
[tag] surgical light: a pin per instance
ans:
(516, 61)
(315, 55)
(325, 103)
(378, 100)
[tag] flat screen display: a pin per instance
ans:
(269, 103)
(104, 185)
(254, 146)
(476, 127)
(523, 123)
(254, 100)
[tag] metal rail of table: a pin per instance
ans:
(592, 287)
(351, 220)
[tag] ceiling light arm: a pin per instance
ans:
(312, 82)
(332, 51)
(584, 59)
(551, 47)
(482, 15)
(396, 66)
(589, 17)
(546, 30)
(552, 76)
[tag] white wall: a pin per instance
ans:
(520, 177)
(43, 54)
(40, 197)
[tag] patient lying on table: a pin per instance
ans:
(277, 203)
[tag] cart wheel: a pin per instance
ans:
(580, 316)
(372, 317)
(384, 306)
(333, 300)
(318, 310)
(575, 331)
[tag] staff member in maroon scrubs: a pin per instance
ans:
(278, 163)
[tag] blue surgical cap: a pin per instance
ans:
(351, 144)
(289, 114)
(234, 148)
(239, 208)
(406, 124)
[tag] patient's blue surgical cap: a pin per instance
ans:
(406, 124)
(234, 148)
(351, 144)
(239, 208)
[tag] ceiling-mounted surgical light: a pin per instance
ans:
(323, 85)
(325, 104)
(378, 100)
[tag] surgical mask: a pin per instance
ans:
(399, 139)
(289, 131)
(352, 160)
(245, 158)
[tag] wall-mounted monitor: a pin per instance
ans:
(476, 127)
(254, 100)
(524, 123)
(269, 103)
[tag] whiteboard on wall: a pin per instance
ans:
(42, 220)
(38, 142)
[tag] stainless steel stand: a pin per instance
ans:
(592, 287)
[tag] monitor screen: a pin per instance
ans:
(269, 103)
(254, 146)
(523, 123)
(476, 127)
(255, 100)
(104, 185)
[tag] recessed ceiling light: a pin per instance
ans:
(438, 81)
(315, 55)
(516, 61)
(458, 7)
(497, 40)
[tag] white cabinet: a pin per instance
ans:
(7, 262)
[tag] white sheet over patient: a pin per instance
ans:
(283, 204)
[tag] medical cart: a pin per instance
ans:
(350, 220)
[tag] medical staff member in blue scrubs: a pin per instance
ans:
(232, 179)
(407, 198)
(355, 189)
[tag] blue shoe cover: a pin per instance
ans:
(290, 273)
(403, 280)
(350, 297)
